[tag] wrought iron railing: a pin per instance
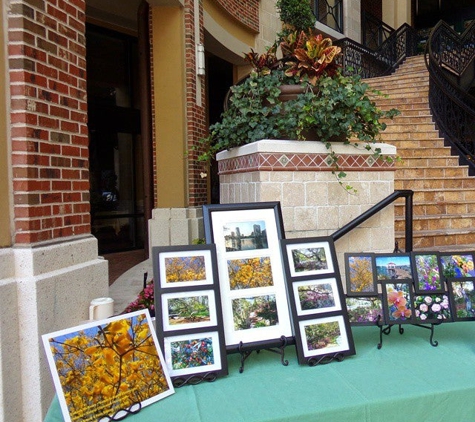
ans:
(409, 233)
(402, 43)
(450, 59)
(375, 32)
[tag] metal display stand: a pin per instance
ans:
(245, 352)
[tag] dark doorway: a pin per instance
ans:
(115, 151)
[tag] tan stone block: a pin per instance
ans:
(293, 194)
(316, 193)
(281, 176)
(328, 218)
(305, 218)
(270, 192)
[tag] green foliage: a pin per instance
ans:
(296, 14)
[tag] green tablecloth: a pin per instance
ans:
(406, 380)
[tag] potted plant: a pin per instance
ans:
(325, 105)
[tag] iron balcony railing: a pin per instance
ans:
(329, 13)
(450, 59)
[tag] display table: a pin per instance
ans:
(406, 380)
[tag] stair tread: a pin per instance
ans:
(437, 216)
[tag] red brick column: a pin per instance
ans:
(49, 136)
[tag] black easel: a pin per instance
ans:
(246, 351)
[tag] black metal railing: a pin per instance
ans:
(450, 59)
(409, 234)
(355, 57)
(374, 31)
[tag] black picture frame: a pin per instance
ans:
(365, 310)
(398, 301)
(322, 329)
(393, 266)
(360, 273)
(188, 314)
(427, 273)
(457, 264)
(432, 308)
(249, 234)
(462, 298)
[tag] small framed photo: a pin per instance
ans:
(188, 314)
(427, 276)
(462, 296)
(365, 310)
(309, 258)
(457, 265)
(251, 276)
(316, 296)
(324, 337)
(394, 266)
(398, 302)
(432, 308)
(194, 353)
(360, 274)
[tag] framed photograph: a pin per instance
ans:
(251, 276)
(432, 308)
(309, 259)
(457, 265)
(360, 272)
(188, 313)
(365, 310)
(462, 297)
(394, 266)
(316, 296)
(100, 357)
(398, 302)
(316, 300)
(427, 276)
(323, 337)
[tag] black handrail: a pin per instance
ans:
(402, 43)
(375, 31)
(450, 59)
(408, 194)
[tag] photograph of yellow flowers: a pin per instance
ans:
(398, 302)
(457, 265)
(462, 295)
(360, 272)
(107, 368)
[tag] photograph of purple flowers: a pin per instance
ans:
(365, 310)
(427, 277)
(459, 265)
(396, 266)
(188, 316)
(432, 308)
(360, 274)
(462, 297)
(398, 302)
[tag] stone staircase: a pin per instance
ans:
(444, 193)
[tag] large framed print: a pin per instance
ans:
(253, 291)
(188, 312)
(462, 298)
(360, 271)
(457, 264)
(319, 314)
(398, 302)
(427, 274)
(107, 369)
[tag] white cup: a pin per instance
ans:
(101, 308)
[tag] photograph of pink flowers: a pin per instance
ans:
(427, 278)
(458, 265)
(398, 302)
(365, 310)
(432, 308)
(462, 296)
(360, 274)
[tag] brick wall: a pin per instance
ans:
(246, 12)
(48, 119)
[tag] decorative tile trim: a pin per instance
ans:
(268, 161)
